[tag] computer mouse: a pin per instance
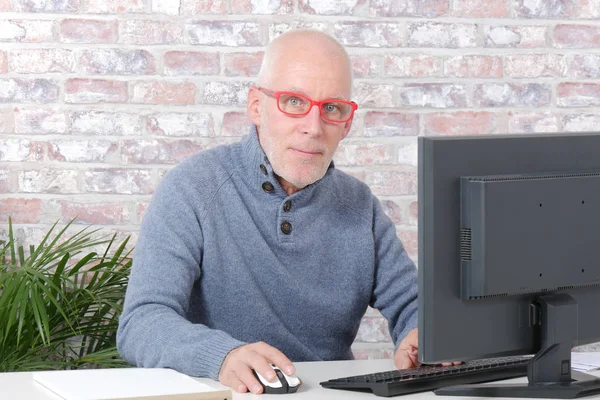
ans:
(282, 385)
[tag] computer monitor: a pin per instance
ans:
(509, 255)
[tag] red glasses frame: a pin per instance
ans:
(312, 102)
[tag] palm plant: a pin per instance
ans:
(59, 307)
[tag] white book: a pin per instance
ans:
(127, 384)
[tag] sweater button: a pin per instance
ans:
(287, 206)
(263, 169)
(268, 187)
(286, 227)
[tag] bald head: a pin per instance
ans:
(321, 51)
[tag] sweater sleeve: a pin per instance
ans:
(153, 329)
(395, 287)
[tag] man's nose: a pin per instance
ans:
(314, 122)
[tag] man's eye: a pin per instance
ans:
(295, 101)
(331, 108)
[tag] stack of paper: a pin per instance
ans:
(585, 361)
(127, 383)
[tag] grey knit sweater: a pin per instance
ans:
(225, 257)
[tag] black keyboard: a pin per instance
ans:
(431, 377)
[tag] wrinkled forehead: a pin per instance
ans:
(315, 75)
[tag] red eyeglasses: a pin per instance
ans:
(297, 105)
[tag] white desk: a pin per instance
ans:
(20, 385)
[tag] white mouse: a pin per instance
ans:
(283, 384)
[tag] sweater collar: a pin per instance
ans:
(257, 168)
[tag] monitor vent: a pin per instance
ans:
(465, 244)
(533, 291)
(500, 178)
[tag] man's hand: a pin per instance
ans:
(236, 370)
(407, 355)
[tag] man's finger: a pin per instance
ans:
(245, 375)
(237, 385)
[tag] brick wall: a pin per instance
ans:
(100, 98)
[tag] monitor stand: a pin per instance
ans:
(549, 372)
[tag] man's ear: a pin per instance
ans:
(253, 105)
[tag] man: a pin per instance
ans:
(262, 251)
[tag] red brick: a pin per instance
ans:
(87, 31)
(401, 180)
(95, 91)
(413, 66)
(578, 94)
(380, 352)
(81, 150)
(191, 63)
(263, 7)
(366, 66)
(511, 95)
(373, 330)
(119, 181)
(242, 64)
(5, 5)
(408, 8)
(235, 124)
(20, 150)
(279, 28)
(480, 8)
(588, 9)
(413, 213)
(94, 213)
(157, 92)
(361, 153)
(140, 210)
(5, 184)
(3, 63)
(145, 32)
(20, 211)
(7, 120)
(26, 31)
(473, 66)
(226, 93)
(369, 95)
(47, 6)
(319, 7)
(116, 6)
(535, 65)
(410, 241)
(515, 36)
(393, 211)
(581, 122)
(462, 123)
(105, 123)
(370, 34)
(116, 62)
(180, 124)
(28, 91)
(48, 180)
(544, 8)
(40, 121)
(408, 152)
(197, 7)
(391, 124)
(40, 61)
(158, 151)
(532, 122)
(225, 33)
(439, 34)
(436, 95)
(585, 66)
(577, 36)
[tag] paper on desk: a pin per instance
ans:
(127, 383)
(585, 361)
